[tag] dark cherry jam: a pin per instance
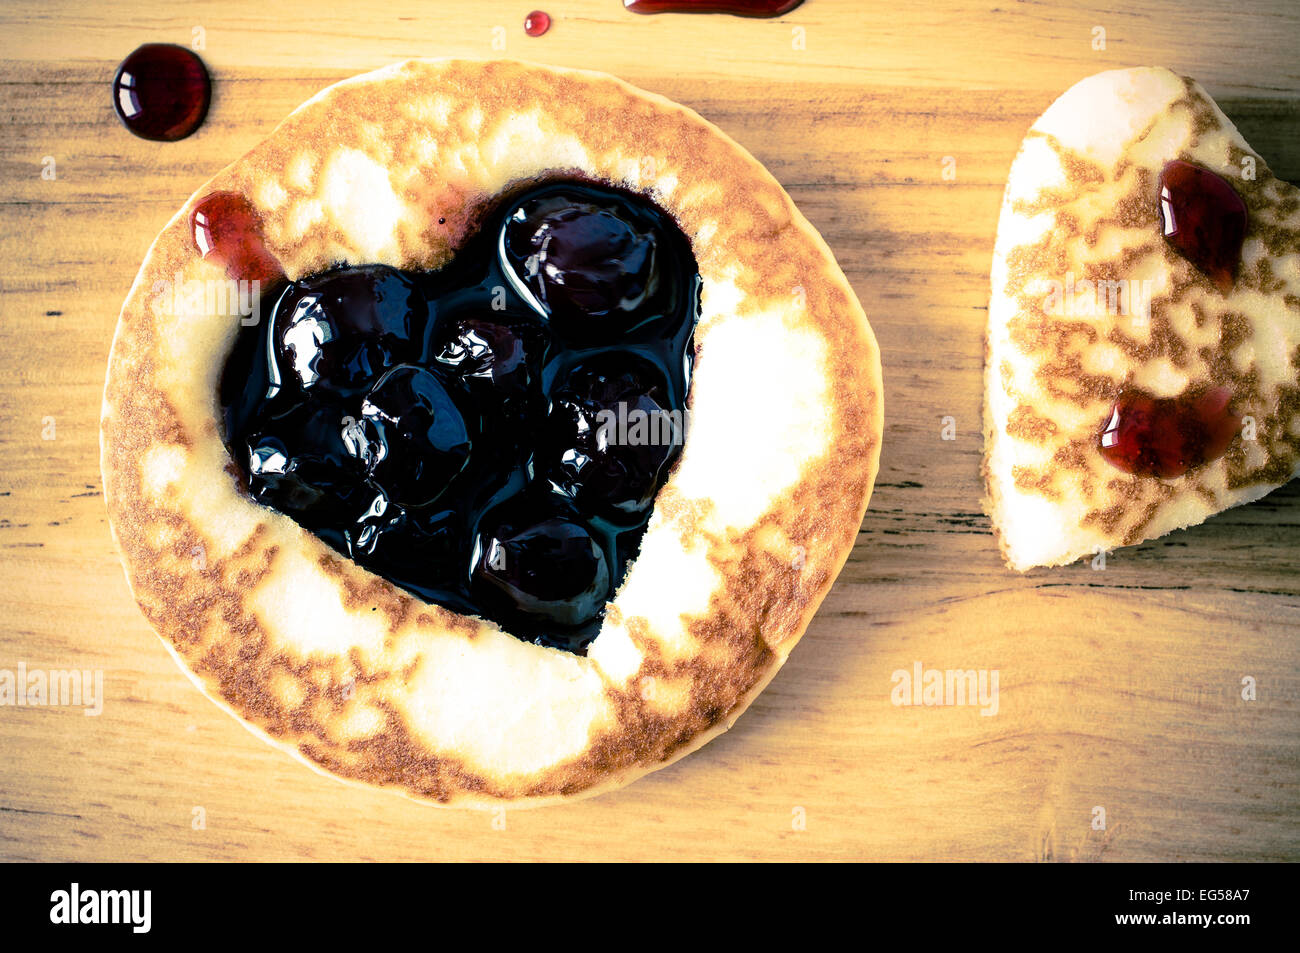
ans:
(1167, 436)
(1204, 219)
(489, 436)
(740, 8)
(537, 23)
(161, 92)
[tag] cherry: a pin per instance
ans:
(415, 437)
(343, 329)
(298, 463)
(609, 437)
(499, 352)
(1204, 219)
(589, 264)
(161, 92)
(548, 569)
(1167, 436)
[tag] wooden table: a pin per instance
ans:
(1119, 689)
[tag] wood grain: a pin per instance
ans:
(1119, 688)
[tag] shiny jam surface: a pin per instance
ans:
(740, 8)
(162, 92)
(537, 23)
(1204, 219)
(227, 230)
(1167, 436)
(489, 436)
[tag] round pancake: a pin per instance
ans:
(367, 681)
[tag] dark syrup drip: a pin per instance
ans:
(1204, 219)
(440, 427)
(1167, 436)
(161, 92)
(739, 8)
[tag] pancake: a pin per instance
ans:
(1083, 204)
(373, 685)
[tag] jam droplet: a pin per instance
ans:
(161, 92)
(1204, 219)
(228, 230)
(739, 8)
(1167, 436)
(537, 23)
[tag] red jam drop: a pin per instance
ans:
(1204, 219)
(537, 23)
(228, 230)
(1167, 436)
(161, 92)
(739, 8)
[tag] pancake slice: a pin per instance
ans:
(1143, 355)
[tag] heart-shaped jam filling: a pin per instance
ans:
(490, 436)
